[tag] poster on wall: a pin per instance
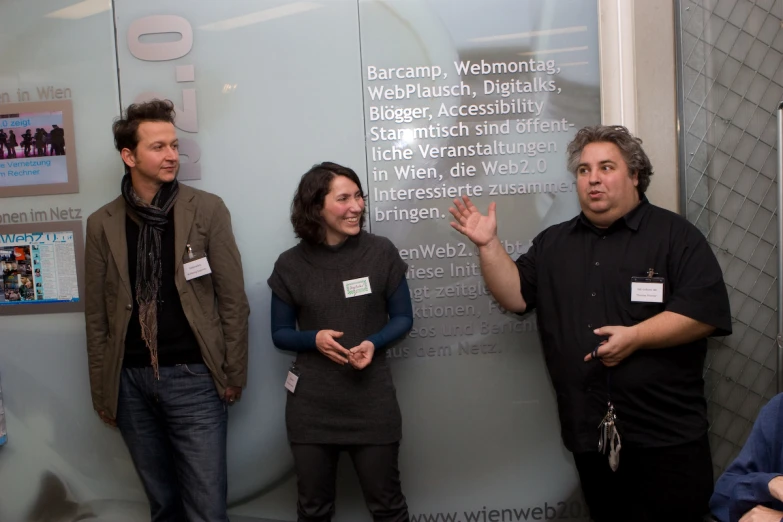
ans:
(41, 268)
(37, 152)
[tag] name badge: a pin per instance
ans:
(197, 268)
(292, 379)
(195, 264)
(357, 287)
(647, 289)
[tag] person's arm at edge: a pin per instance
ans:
(750, 480)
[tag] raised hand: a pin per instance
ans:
(473, 224)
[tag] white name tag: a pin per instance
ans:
(197, 268)
(647, 292)
(290, 382)
(357, 287)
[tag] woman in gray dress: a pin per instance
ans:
(339, 299)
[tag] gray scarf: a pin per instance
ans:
(149, 269)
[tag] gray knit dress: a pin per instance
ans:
(336, 404)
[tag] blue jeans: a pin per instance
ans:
(175, 430)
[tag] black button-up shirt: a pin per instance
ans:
(578, 277)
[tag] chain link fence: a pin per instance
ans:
(730, 55)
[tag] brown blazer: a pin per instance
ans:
(215, 305)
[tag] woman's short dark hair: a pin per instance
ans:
(630, 147)
(309, 200)
(125, 129)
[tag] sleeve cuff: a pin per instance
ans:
(760, 486)
(238, 379)
(308, 336)
(376, 340)
(714, 318)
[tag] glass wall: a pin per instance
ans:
(426, 99)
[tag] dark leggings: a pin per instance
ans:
(379, 477)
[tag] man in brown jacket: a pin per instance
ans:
(166, 316)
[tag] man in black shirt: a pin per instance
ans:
(626, 294)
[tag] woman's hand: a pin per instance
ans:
(362, 355)
(326, 344)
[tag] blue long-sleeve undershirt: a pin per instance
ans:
(745, 483)
(286, 337)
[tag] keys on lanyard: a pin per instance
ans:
(609, 438)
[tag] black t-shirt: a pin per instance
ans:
(578, 278)
(176, 342)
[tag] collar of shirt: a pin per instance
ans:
(632, 219)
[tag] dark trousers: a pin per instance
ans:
(175, 430)
(379, 477)
(652, 484)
